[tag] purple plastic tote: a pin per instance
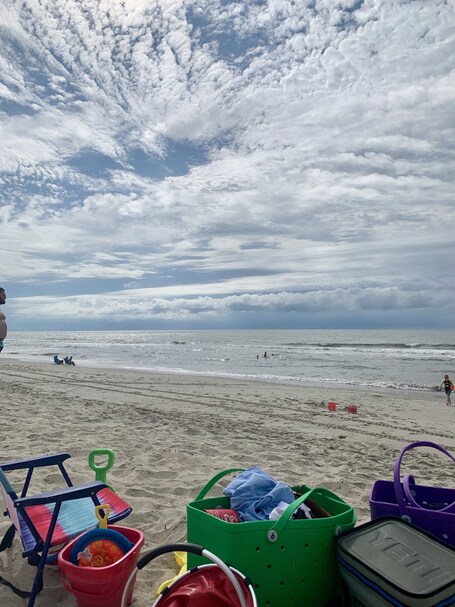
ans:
(430, 508)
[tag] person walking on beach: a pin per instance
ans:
(448, 387)
(3, 327)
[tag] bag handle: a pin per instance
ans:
(274, 532)
(199, 551)
(213, 481)
(333, 496)
(405, 487)
(408, 479)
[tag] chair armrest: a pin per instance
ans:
(36, 462)
(61, 495)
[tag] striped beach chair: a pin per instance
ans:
(46, 521)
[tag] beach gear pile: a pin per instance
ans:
(47, 521)
(261, 543)
(317, 556)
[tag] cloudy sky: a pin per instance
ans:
(208, 163)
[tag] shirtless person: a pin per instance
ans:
(3, 328)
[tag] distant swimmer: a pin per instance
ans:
(448, 387)
(265, 354)
(3, 327)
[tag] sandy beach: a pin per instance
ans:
(172, 433)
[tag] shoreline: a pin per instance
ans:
(171, 433)
(280, 380)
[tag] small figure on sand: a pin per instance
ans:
(448, 387)
(69, 361)
(57, 360)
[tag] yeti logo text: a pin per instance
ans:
(408, 557)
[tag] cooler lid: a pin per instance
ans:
(401, 554)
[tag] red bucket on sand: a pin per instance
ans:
(331, 406)
(101, 586)
(352, 408)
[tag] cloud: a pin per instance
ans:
(145, 304)
(228, 155)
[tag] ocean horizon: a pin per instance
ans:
(370, 358)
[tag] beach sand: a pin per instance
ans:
(172, 433)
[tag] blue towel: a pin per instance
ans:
(254, 494)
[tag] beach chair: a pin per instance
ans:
(46, 521)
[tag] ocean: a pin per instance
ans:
(381, 359)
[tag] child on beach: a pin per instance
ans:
(448, 387)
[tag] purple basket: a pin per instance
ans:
(430, 508)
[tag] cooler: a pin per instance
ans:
(390, 562)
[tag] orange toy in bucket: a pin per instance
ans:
(100, 547)
(100, 553)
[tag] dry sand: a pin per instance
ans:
(172, 433)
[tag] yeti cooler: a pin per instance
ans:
(390, 562)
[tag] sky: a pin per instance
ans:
(217, 164)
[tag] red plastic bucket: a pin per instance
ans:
(101, 586)
(331, 406)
